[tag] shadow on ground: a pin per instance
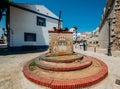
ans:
(5, 51)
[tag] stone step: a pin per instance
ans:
(62, 59)
(68, 79)
(78, 64)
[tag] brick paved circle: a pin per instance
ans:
(67, 83)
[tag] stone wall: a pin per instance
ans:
(116, 37)
(103, 36)
(61, 43)
(114, 13)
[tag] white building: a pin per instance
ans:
(86, 35)
(75, 34)
(29, 25)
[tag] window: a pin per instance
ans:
(62, 43)
(29, 37)
(59, 43)
(41, 21)
(65, 43)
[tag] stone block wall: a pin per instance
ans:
(113, 13)
(61, 42)
(103, 36)
(116, 37)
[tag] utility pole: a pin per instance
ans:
(59, 21)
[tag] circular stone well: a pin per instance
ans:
(82, 71)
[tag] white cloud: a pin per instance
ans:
(96, 29)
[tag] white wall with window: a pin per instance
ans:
(28, 27)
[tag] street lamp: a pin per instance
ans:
(109, 37)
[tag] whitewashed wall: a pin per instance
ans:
(23, 21)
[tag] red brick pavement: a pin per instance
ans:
(67, 84)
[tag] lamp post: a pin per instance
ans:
(109, 37)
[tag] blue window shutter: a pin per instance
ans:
(43, 23)
(29, 36)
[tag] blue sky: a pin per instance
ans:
(86, 14)
(2, 24)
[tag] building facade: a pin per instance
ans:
(29, 25)
(93, 40)
(112, 10)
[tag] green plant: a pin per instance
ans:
(8, 0)
(3, 9)
(75, 27)
(32, 65)
(66, 29)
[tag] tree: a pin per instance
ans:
(4, 32)
(75, 27)
(1, 12)
(2, 9)
(7, 0)
(66, 29)
(2, 37)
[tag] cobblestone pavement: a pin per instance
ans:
(113, 63)
(100, 50)
(11, 76)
